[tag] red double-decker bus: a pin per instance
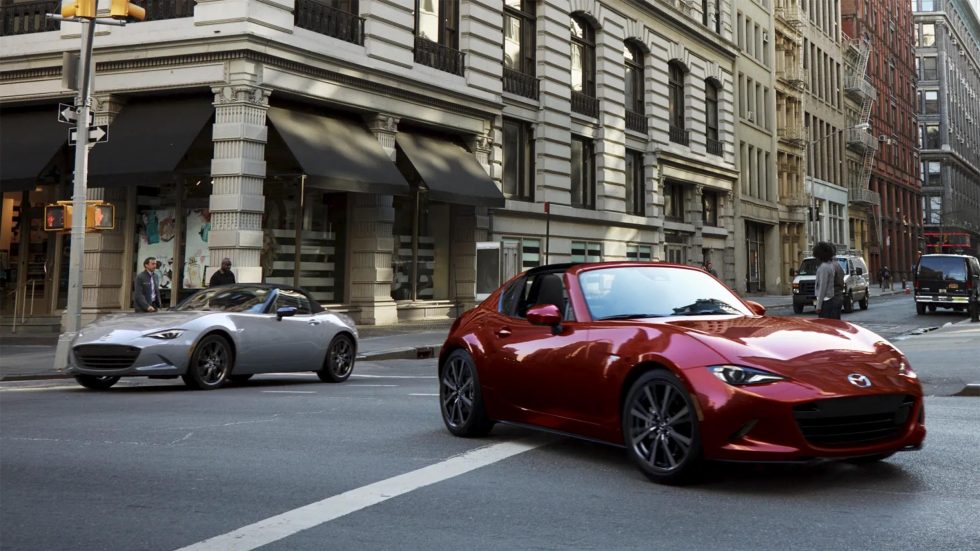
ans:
(950, 242)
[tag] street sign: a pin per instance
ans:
(96, 134)
(68, 114)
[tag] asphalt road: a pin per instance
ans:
(151, 465)
(890, 316)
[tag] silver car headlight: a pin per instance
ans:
(166, 334)
(741, 376)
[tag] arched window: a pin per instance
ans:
(675, 87)
(583, 56)
(711, 117)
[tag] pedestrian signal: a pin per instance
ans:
(57, 217)
(81, 8)
(100, 216)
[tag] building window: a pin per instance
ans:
(675, 86)
(583, 173)
(935, 210)
(929, 71)
(635, 189)
(711, 117)
(437, 35)
(518, 177)
(519, 36)
(709, 208)
(586, 251)
(836, 219)
(923, 5)
(932, 173)
(529, 250)
(639, 253)
(928, 35)
(931, 106)
(673, 201)
(635, 119)
(583, 57)
(930, 139)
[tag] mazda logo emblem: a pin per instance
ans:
(859, 380)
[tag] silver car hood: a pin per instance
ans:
(124, 326)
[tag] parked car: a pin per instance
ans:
(856, 283)
(221, 334)
(947, 281)
(665, 360)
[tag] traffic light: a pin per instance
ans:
(100, 216)
(57, 217)
(81, 8)
(123, 9)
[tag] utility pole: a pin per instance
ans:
(83, 12)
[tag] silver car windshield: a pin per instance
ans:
(649, 292)
(235, 299)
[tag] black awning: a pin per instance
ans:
(147, 140)
(29, 139)
(337, 154)
(450, 172)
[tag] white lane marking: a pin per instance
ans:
(420, 394)
(291, 522)
(38, 388)
(290, 391)
(358, 384)
(366, 376)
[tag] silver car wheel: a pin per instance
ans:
(661, 427)
(212, 363)
(341, 358)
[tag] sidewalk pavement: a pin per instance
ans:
(786, 301)
(947, 360)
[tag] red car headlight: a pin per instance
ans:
(741, 376)
(905, 369)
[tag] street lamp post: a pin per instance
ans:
(813, 214)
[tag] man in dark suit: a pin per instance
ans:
(146, 291)
(224, 276)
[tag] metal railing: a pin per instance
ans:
(863, 195)
(585, 104)
(321, 18)
(679, 135)
(860, 140)
(791, 133)
(28, 17)
(792, 14)
(438, 56)
(858, 85)
(714, 147)
(158, 10)
(521, 84)
(636, 122)
(795, 76)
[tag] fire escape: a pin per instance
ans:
(859, 136)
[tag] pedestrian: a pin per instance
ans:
(885, 275)
(146, 290)
(709, 269)
(224, 276)
(830, 282)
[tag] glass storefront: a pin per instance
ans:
(420, 260)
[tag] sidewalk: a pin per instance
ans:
(946, 359)
(786, 301)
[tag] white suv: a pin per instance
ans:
(856, 282)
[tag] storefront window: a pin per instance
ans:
(420, 261)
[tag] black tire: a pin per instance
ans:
(461, 397)
(920, 308)
(863, 303)
(240, 379)
(661, 429)
(797, 308)
(210, 365)
(932, 308)
(339, 363)
(848, 306)
(868, 459)
(96, 382)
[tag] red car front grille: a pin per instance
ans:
(853, 421)
(106, 356)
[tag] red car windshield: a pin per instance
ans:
(655, 291)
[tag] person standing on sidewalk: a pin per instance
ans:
(223, 276)
(146, 290)
(830, 282)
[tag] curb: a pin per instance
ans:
(969, 390)
(37, 377)
(408, 353)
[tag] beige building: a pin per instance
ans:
(757, 212)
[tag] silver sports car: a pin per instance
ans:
(216, 335)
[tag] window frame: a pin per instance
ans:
(635, 183)
(448, 19)
(635, 66)
(711, 97)
(587, 43)
(524, 186)
(674, 192)
(676, 76)
(586, 194)
(527, 16)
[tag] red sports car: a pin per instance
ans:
(668, 362)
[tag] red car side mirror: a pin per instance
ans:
(544, 314)
(756, 308)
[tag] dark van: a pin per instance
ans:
(948, 281)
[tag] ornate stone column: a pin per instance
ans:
(694, 215)
(238, 173)
(371, 242)
(726, 214)
(106, 272)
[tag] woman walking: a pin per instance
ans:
(830, 282)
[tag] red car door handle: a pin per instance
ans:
(503, 332)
